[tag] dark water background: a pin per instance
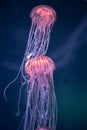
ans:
(68, 49)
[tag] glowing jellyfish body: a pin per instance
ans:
(41, 101)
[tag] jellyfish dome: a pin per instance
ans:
(43, 14)
(41, 64)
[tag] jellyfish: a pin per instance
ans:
(43, 18)
(41, 106)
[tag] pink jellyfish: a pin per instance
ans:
(43, 18)
(41, 108)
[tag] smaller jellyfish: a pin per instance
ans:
(43, 18)
(41, 106)
(43, 128)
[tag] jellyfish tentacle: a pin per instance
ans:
(5, 97)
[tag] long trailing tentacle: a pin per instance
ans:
(5, 97)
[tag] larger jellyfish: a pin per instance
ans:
(41, 109)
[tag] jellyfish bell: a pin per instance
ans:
(39, 64)
(43, 128)
(40, 67)
(43, 14)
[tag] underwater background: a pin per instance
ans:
(67, 48)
